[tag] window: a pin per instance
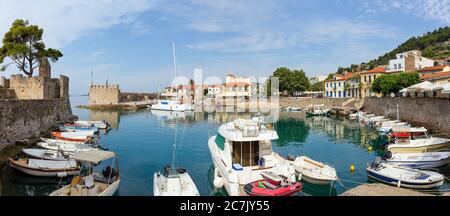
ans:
(339, 84)
(246, 153)
(326, 85)
(395, 66)
(334, 94)
(401, 56)
(370, 79)
(374, 76)
(339, 93)
(365, 78)
(399, 66)
(345, 94)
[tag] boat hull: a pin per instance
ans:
(316, 181)
(406, 184)
(43, 173)
(422, 149)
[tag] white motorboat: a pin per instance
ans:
(403, 176)
(97, 124)
(415, 140)
(45, 168)
(46, 154)
(57, 141)
(317, 110)
(169, 105)
(424, 160)
(93, 183)
(174, 182)
(66, 148)
(242, 151)
(313, 171)
(386, 127)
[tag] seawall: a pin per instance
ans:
(22, 119)
(303, 102)
(432, 113)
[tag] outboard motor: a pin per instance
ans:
(376, 163)
(387, 155)
(109, 172)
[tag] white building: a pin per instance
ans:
(409, 61)
(214, 90)
(316, 79)
(238, 87)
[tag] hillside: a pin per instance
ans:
(435, 45)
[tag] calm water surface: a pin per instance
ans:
(144, 141)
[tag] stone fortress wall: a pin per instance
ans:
(111, 94)
(29, 105)
(104, 94)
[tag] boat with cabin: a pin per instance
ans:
(242, 153)
(415, 140)
(92, 182)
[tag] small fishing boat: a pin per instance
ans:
(97, 124)
(424, 160)
(93, 183)
(174, 182)
(57, 141)
(77, 128)
(44, 168)
(73, 136)
(317, 110)
(66, 148)
(313, 171)
(272, 185)
(415, 140)
(403, 176)
(45, 154)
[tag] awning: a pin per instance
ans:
(93, 156)
(419, 87)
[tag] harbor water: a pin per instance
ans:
(144, 141)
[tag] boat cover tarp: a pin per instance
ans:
(93, 156)
(48, 164)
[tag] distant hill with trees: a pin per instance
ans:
(435, 45)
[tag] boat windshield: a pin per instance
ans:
(419, 135)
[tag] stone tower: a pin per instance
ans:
(45, 69)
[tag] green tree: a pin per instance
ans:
(290, 81)
(393, 83)
(318, 86)
(24, 46)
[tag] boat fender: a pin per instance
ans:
(61, 174)
(399, 183)
(218, 182)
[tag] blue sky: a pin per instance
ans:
(129, 42)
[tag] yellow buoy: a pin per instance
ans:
(370, 148)
(352, 168)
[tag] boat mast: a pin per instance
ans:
(175, 66)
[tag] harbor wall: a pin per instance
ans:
(132, 96)
(303, 102)
(22, 119)
(432, 113)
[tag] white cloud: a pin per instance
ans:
(68, 20)
(438, 10)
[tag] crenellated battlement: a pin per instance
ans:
(104, 94)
